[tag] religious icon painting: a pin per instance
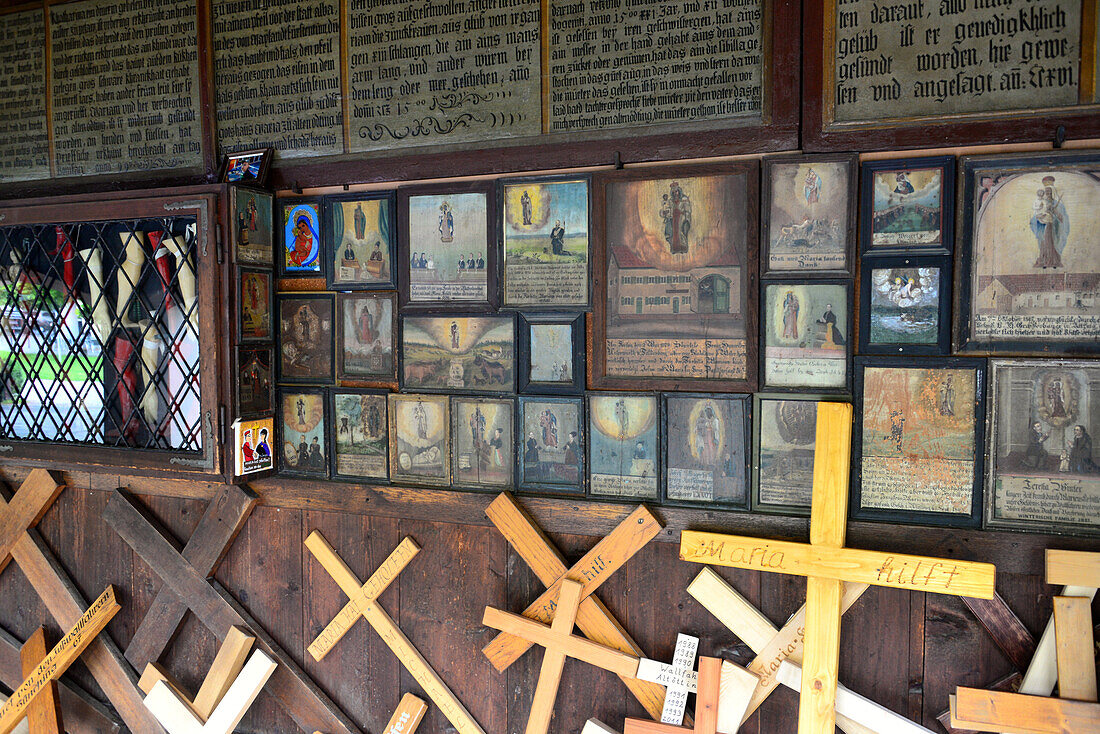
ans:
(1044, 472)
(482, 442)
(550, 445)
(544, 228)
(302, 432)
(675, 298)
(1028, 270)
(623, 445)
(462, 353)
(552, 353)
(254, 291)
(306, 338)
(253, 241)
(918, 441)
(705, 449)
(420, 450)
(360, 434)
(783, 452)
(252, 446)
(905, 305)
(255, 380)
(806, 335)
(906, 206)
(446, 256)
(366, 330)
(300, 232)
(360, 237)
(809, 214)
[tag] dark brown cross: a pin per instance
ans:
(302, 700)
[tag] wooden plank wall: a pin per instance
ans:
(903, 650)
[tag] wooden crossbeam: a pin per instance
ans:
(1009, 683)
(32, 500)
(706, 705)
(407, 716)
(368, 607)
(44, 713)
(593, 618)
(1005, 628)
(560, 643)
(302, 700)
(597, 565)
(1076, 657)
(1073, 568)
(1006, 712)
(58, 660)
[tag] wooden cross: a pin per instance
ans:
(58, 660)
(363, 601)
(679, 678)
(302, 700)
(594, 619)
(407, 716)
(44, 713)
(227, 665)
(827, 563)
(560, 643)
(706, 706)
(64, 602)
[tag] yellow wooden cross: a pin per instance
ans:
(827, 563)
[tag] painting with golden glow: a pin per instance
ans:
(419, 446)
(806, 332)
(481, 442)
(908, 207)
(458, 353)
(546, 243)
(362, 233)
(705, 449)
(622, 456)
(677, 277)
(304, 449)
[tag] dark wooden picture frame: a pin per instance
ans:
(527, 481)
(848, 232)
(283, 464)
(406, 247)
(228, 160)
(744, 465)
(983, 178)
(1045, 474)
(506, 462)
(268, 277)
(904, 167)
(502, 235)
(524, 364)
(629, 436)
(256, 257)
(907, 298)
(402, 475)
(241, 360)
(337, 429)
(902, 426)
(486, 361)
(378, 379)
(388, 204)
(746, 222)
(321, 343)
(281, 205)
(801, 434)
(810, 330)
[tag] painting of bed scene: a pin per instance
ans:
(419, 439)
(459, 353)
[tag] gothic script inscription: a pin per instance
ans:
(24, 148)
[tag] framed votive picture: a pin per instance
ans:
(550, 445)
(420, 450)
(255, 291)
(482, 442)
(255, 380)
(253, 219)
(806, 335)
(623, 448)
(907, 206)
(247, 166)
(905, 306)
(366, 330)
(303, 432)
(551, 348)
(783, 452)
(361, 237)
(306, 338)
(705, 448)
(464, 353)
(252, 446)
(301, 233)
(360, 434)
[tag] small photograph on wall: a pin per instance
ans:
(622, 445)
(458, 353)
(255, 291)
(705, 441)
(365, 335)
(807, 335)
(247, 167)
(1045, 466)
(920, 445)
(306, 338)
(783, 452)
(809, 209)
(551, 348)
(446, 256)
(907, 207)
(304, 442)
(360, 434)
(1029, 265)
(252, 226)
(545, 233)
(906, 306)
(255, 380)
(301, 237)
(420, 451)
(551, 445)
(361, 233)
(482, 442)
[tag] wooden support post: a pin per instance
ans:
(363, 601)
(1076, 656)
(58, 660)
(44, 712)
(706, 706)
(594, 619)
(1073, 568)
(407, 716)
(1000, 712)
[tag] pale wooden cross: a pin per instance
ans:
(827, 563)
(560, 643)
(227, 665)
(706, 706)
(594, 619)
(407, 716)
(58, 660)
(363, 602)
(678, 677)
(44, 713)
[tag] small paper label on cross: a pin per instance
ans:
(679, 678)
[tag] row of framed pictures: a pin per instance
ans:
(933, 444)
